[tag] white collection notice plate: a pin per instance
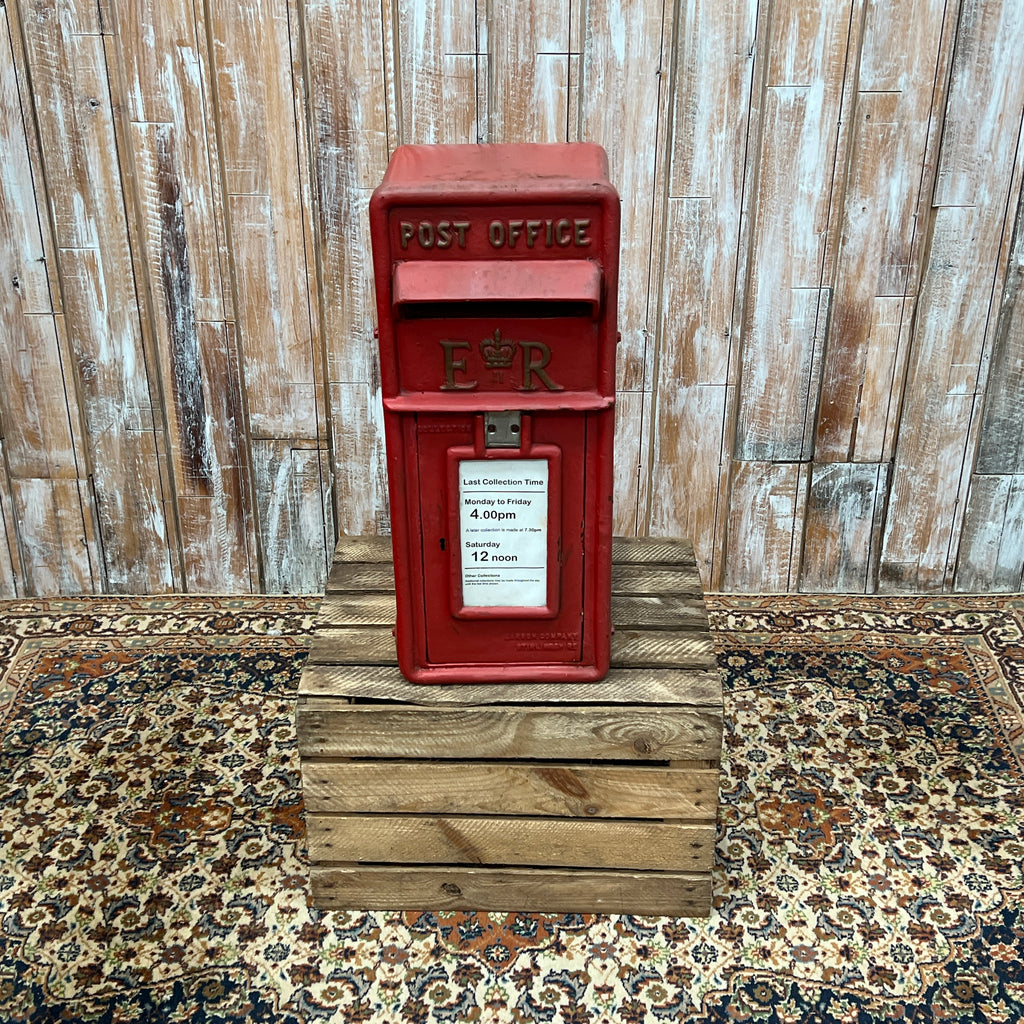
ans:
(503, 517)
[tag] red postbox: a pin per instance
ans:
(496, 274)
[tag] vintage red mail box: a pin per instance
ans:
(496, 274)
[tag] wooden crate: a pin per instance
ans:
(583, 797)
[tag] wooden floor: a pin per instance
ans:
(598, 797)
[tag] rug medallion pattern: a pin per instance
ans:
(869, 867)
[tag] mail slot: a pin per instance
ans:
(496, 272)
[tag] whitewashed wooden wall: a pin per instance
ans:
(821, 376)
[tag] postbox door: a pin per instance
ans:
(502, 540)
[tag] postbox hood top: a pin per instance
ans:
(510, 166)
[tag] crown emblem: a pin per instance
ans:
(498, 353)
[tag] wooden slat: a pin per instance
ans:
(126, 450)
(11, 575)
(984, 103)
(38, 430)
(648, 611)
(197, 353)
(275, 286)
(369, 609)
(629, 579)
(632, 457)
(52, 506)
(57, 98)
(918, 544)
(520, 842)
(252, 62)
(280, 375)
(111, 365)
(39, 419)
(991, 553)
(955, 315)
(261, 125)
(528, 70)
(625, 550)
(375, 645)
(294, 515)
(361, 577)
(843, 527)
(693, 687)
(939, 426)
(784, 434)
(350, 154)
(618, 100)
(172, 152)
(904, 52)
(766, 516)
(655, 580)
(22, 263)
(885, 353)
(261, 110)
(564, 790)
(653, 648)
(697, 355)
(550, 891)
(51, 517)
(353, 645)
(685, 463)
(437, 43)
(622, 101)
(336, 729)
(218, 530)
(992, 549)
(1001, 445)
(786, 299)
(652, 550)
(170, 145)
(365, 548)
(360, 474)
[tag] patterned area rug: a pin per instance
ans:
(870, 863)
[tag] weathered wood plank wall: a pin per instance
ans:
(821, 375)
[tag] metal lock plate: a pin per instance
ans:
(503, 429)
